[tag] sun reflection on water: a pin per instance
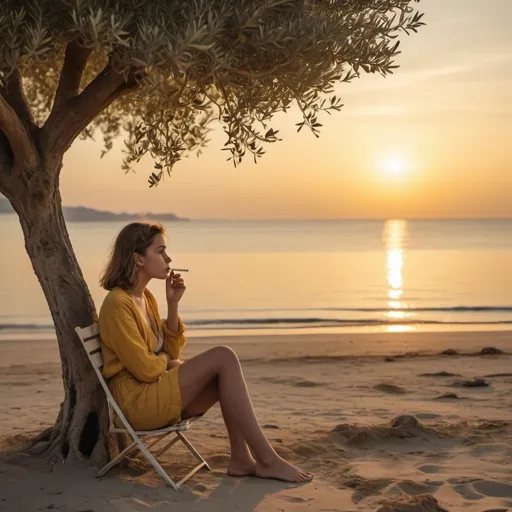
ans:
(394, 238)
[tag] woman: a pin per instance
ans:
(142, 357)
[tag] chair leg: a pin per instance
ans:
(158, 468)
(157, 440)
(139, 444)
(194, 452)
(191, 473)
(167, 446)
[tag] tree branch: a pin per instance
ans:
(13, 92)
(64, 125)
(21, 142)
(5, 164)
(125, 88)
(75, 60)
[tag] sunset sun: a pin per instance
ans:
(394, 166)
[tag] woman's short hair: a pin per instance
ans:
(133, 238)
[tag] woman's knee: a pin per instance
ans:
(225, 355)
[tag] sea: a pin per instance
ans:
(297, 276)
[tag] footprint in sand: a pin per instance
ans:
(493, 489)
(429, 468)
(467, 492)
(487, 449)
(412, 488)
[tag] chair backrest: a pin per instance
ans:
(90, 338)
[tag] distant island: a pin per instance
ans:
(82, 214)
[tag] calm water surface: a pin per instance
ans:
(290, 276)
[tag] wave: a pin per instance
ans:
(25, 327)
(283, 322)
(330, 322)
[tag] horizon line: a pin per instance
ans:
(289, 219)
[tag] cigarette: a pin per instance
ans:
(179, 270)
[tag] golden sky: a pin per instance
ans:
(432, 140)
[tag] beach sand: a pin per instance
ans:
(386, 422)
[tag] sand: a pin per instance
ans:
(387, 422)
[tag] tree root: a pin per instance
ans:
(35, 445)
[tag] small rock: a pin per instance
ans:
(389, 359)
(490, 351)
(390, 388)
(448, 396)
(439, 374)
(405, 420)
(475, 383)
(270, 426)
(450, 352)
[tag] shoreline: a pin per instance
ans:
(305, 344)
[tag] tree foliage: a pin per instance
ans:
(163, 70)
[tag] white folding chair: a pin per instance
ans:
(90, 339)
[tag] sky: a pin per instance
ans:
(433, 140)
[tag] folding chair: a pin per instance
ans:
(90, 338)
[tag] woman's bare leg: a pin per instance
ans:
(222, 365)
(241, 462)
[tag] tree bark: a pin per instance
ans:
(80, 432)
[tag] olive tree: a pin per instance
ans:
(157, 73)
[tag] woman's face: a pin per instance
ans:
(155, 261)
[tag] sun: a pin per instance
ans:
(394, 166)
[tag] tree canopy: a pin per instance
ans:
(163, 70)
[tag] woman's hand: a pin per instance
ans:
(171, 363)
(174, 287)
(167, 357)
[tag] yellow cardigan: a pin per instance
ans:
(128, 341)
(148, 394)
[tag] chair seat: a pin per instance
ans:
(175, 427)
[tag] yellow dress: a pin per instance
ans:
(147, 393)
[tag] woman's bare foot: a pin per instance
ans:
(242, 467)
(279, 469)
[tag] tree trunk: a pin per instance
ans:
(80, 431)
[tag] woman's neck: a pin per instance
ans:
(138, 290)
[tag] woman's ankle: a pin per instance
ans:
(268, 459)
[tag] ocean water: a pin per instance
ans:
(298, 276)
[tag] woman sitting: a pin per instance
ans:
(142, 358)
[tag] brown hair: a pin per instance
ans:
(133, 238)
